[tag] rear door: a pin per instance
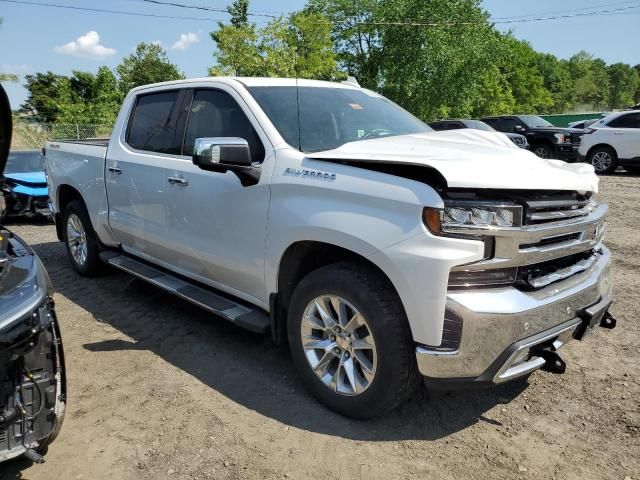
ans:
(625, 135)
(136, 174)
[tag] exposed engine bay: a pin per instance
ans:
(32, 375)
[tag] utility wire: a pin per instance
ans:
(357, 22)
(513, 17)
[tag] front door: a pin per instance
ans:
(217, 226)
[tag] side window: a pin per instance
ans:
(437, 125)
(492, 122)
(454, 126)
(154, 125)
(631, 120)
(508, 124)
(215, 114)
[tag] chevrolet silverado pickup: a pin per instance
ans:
(32, 367)
(380, 251)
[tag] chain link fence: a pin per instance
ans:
(28, 136)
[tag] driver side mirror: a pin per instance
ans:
(219, 154)
(518, 129)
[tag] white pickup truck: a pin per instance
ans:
(377, 249)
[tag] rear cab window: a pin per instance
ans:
(156, 123)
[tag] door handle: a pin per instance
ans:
(115, 170)
(618, 133)
(179, 180)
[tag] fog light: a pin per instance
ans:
(471, 278)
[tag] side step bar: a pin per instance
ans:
(254, 320)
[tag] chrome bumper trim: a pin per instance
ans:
(495, 319)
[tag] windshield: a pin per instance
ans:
(25, 162)
(330, 117)
(533, 121)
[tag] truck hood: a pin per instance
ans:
(469, 158)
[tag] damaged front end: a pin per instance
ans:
(32, 367)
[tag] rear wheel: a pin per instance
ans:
(350, 340)
(81, 240)
(603, 159)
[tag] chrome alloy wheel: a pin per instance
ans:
(77, 239)
(601, 161)
(339, 345)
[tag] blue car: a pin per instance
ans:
(24, 189)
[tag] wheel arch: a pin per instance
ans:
(300, 259)
(601, 145)
(64, 196)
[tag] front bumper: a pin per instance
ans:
(500, 323)
(566, 151)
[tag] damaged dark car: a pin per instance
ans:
(32, 367)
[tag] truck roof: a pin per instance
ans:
(254, 82)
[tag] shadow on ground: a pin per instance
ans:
(247, 368)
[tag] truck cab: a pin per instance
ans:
(380, 251)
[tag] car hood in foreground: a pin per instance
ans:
(469, 158)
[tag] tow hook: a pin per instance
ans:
(608, 321)
(553, 363)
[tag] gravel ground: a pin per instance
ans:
(160, 389)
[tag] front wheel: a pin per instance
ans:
(603, 159)
(350, 340)
(543, 151)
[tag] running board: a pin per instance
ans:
(254, 320)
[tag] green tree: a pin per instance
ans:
(297, 46)
(590, 81)
(149, 64)
(438, 71)
(356, 37)
(557, 81)
(525, 79)
(623, 85)
(90, 99)
(43, 101)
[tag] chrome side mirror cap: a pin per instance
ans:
(222, 153)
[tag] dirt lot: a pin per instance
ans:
(160, 389)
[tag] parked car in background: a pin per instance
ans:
(582, 124)
(24, 191)
(519, 140)
(32, 367)
(613, 141)
(325, 214)
(546, 140)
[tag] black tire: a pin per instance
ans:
(633, 169)
(92, 266)
(367, 290)
(543, 150)
(598, 158)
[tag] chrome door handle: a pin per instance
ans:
(115, 170)
(618, 133)
(183, 182)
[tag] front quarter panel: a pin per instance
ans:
(376, 215)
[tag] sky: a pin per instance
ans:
(37, 38)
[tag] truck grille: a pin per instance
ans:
(555, 210)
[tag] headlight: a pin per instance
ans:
(458, 216)
(562, 138)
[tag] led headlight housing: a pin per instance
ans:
(456, 217)
(562, 138)
(475, 221)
